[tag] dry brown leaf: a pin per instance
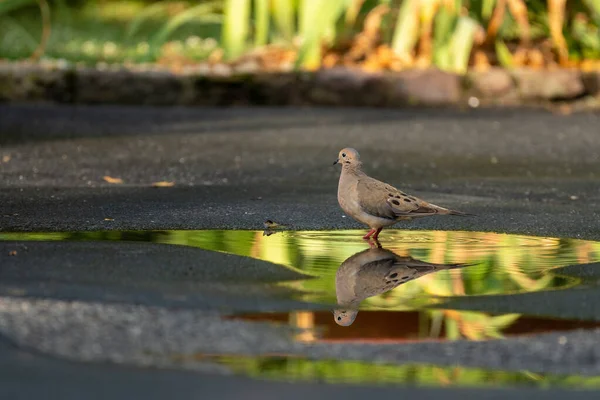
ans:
(109, 219)
(372, 23)
(330, 60)
(5, 159)
(110, 179)
(481, 61)
(536, 59)
(12, 253)
(163, 184)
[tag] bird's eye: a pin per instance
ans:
(339, 318)
(343, 154)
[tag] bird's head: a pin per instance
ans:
(344, 317)
(348, 156)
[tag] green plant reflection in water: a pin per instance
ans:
(295, 369)
(501, 264)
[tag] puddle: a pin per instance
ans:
(411, 271)
(382, 294)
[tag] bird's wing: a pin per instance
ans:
(408, 268)
(385, 201)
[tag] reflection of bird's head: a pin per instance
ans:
(344, 317)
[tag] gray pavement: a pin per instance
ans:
(519, 171)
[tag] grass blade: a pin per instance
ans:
(201, 13)
(462, 43)
(235, 27)
(407, 29)
(46, 26)
(504, 55)
(487, 8)
(283, 15)
(261, 17)
(594, 6)
(317, 21)
(145, 14)
(444, 25)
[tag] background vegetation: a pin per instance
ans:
(284, 34)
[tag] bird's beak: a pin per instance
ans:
(336, 161)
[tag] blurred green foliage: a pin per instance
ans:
(443, 33)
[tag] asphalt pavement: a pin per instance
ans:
(85, 314)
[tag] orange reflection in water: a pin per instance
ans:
(410, 326)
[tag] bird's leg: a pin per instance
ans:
(376, 235)
(374, 243)
(368, 235)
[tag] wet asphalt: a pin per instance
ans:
(75, 316)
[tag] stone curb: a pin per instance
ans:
(25, 82)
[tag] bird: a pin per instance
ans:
(272, 227)
(375, 203)
(375, 271)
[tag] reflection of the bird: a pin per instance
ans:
(272, 227)
(375, 271)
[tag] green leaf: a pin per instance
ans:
(316, 21)
(444, 23)
(594, 6)
(143, 16)
(283, 15)
(452, 331)
(487, 8)
(462, 44)
(504, 55)
(406, 31)
(18, 31)
(503, 321)
(7, 6)
(261, 17)
(201, 13)
(235, 27)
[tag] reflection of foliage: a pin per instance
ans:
(500, 264)
(294, 369)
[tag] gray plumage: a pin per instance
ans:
(375, 203)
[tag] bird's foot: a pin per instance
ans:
(376, 235)
(368, 235)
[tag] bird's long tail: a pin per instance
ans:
(462, 214)
(446, 211)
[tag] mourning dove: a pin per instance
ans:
(375, 203)
(375, 271)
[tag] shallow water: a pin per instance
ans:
(493, 264)
(490, 264)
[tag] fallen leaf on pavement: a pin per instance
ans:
(163, 184)
(110, 179)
